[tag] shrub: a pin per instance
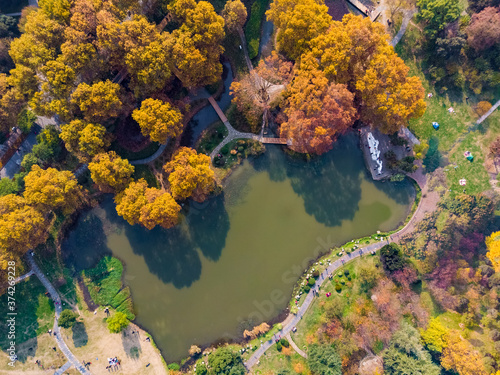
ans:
(346, 272)
(316, 274)
(201, 369)
(279, 346)
(67, 319)
(311, 281)
(117, 322)
(338, 288)
(174, 366)
(285, 342)
(307, 288)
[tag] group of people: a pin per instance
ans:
(113, 363)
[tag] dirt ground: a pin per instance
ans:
(90, 341)
(93, 343)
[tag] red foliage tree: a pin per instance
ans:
(484, 29)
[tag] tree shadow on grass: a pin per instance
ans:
(131, 343)
(433, 157)
(80, 337)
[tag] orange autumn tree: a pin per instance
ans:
(190, 175)
(318, 111)
(356, 52)
(149, 207)
(255, 92)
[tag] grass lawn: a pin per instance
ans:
(273, 360)
(35, 311)
(232, 51)
(474, 172)
(457, 133)
(253, 26)
(145, 172)
(211, 137)
(147, 151)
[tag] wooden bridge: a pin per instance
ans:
(276, 141)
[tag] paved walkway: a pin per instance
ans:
(61, 370)
(292, 320)
(408, 15)
(25, 276)
(295, 347)
(485, 116)
(151, 158)
(55, 330)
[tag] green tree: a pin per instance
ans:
(324, 360)
(26, 120)
(225, 362)
(436, 14)
(67, 319)
(406, 354)
(392, 257)
(8, 186)
(117, 322)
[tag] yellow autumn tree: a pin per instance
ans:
(389, 97)
(190, 175)
(22, 227)
(195, 47)
(149, 207)
(57, 82)
(161, 210)
(11, 104)
(158, 120)
(51, 189)
(58, 10)
(460, 356)
(97, 102)
(83, 139)
(110, 172)
(235, 15)
(299, 24)
(493, 246)
(347, 48)
(137, 45)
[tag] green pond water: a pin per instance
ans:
(233, 261)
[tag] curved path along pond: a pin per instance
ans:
(233, 261)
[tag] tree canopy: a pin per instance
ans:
(110, 171)
(190, 175)
(139, 204)
(117, 322)
(83, 139)
(324, 360)
(97, 102)
(50, 189)
(493, 246)
(22, 227)
(158, 120)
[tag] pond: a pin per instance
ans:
(233, 261)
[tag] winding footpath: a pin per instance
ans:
(427, 204)
(55, 330)
(408, 15)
